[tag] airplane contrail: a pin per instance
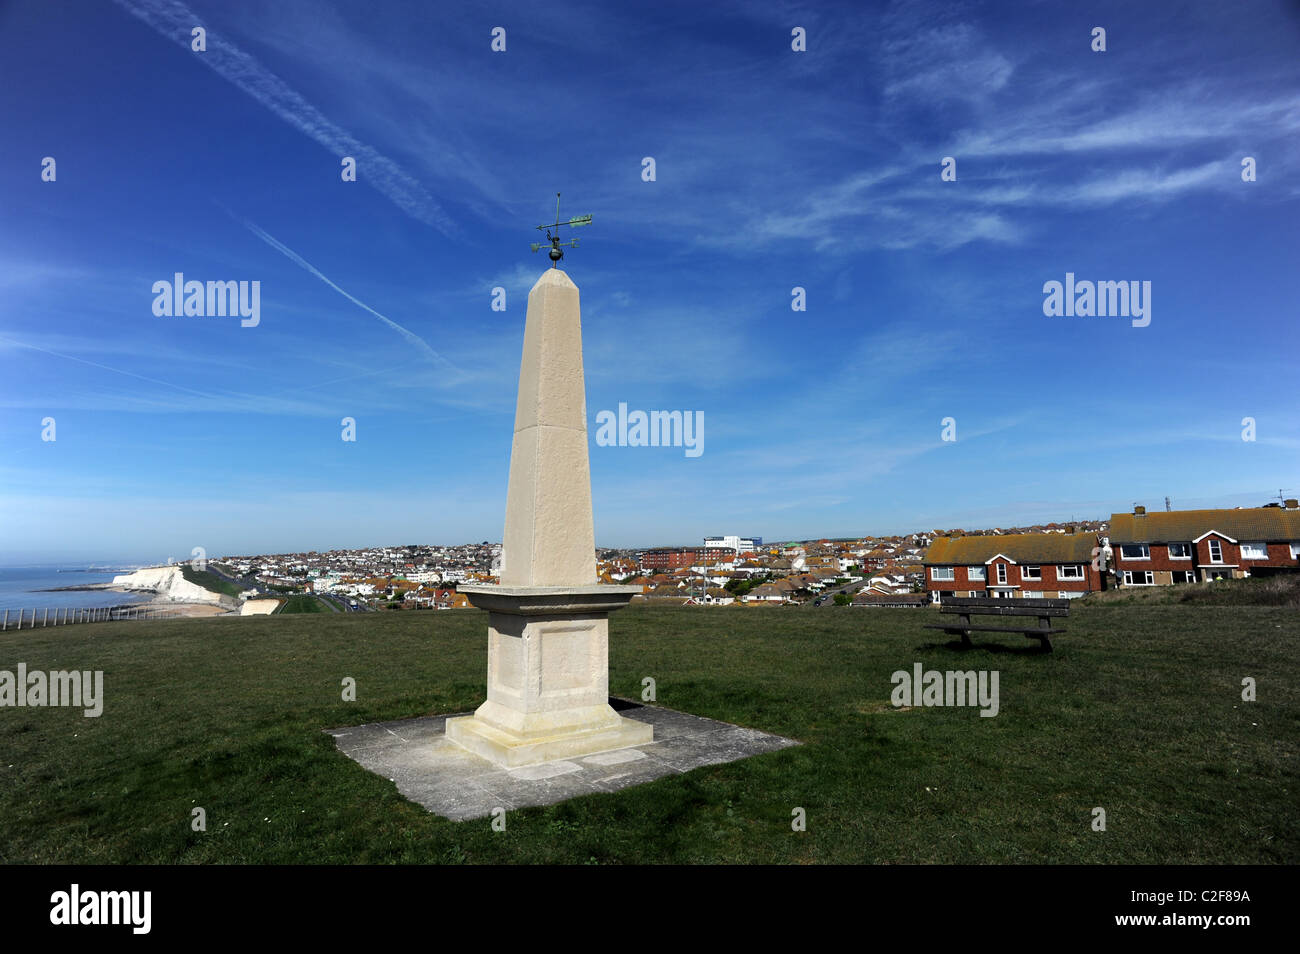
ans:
(301, 262)
(174, 20)
(96, 364)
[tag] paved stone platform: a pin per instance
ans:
(449, 781)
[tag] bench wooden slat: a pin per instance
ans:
(1027, 630)
(1002, 601)
(1014, 610)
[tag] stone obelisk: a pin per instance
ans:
(548, 624)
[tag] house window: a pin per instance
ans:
(974, 573)
(1180, 551)
(1295, 551)
(1002, 572)
(941, 574)
(1135, 551)
(1216, 551)
(1032, 594)
(1031, 572)
(1254, 551)
(1138, 578)
(1069, 572)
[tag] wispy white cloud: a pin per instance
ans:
(943, 62)
(1154, 184)
(1160, 121)
(16, 273)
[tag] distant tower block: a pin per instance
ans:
(548, 628)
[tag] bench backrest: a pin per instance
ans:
(992, 606)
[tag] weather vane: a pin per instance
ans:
(557, 247)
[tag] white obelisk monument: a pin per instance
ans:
(548, 628)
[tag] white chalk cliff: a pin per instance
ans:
(169, 584)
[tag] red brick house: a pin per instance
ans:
(1013, 565)
(668, 558)
(1191, 546)
(674, 558)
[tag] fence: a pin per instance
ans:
(67, 615)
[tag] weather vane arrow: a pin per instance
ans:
(557, 247)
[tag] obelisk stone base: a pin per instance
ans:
(548, 676)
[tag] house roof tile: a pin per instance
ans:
(1021, 547)
(1255, 523)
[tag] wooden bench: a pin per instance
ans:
(964, 609)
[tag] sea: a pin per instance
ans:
(21, 587)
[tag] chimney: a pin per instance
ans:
(1292, 504)
(1139, 511)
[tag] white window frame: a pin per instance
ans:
(1186, 546)
(1070, 571)
(1002, 573)
(1216, 545)
(1031, 594)
(1295, 550)
(1149, 578)
(1146, 551)
(936, 578)
(1247, 556)
(1031, 573)
(972, 570)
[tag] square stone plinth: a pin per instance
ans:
(455, 783)
(548, 676)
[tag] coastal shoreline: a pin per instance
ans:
(163, 590)
(167, 589)
(85, 586)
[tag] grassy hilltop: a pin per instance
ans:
(1138, 711)
(209, 581)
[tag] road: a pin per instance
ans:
(827, 597)
(342, 603)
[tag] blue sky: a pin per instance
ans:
(774, 169)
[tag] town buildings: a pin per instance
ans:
(1016, 565)
(1193, 546)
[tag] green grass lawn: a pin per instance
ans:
(1138, 711)
(1283, 589)
(304, 603)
